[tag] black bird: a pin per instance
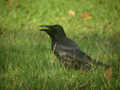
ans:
(67, 50)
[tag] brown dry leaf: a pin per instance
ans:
(9, 1)
(71, 13)
(118, 6)
(13, 2)
(86, 15)
(88, 27)
(108, 73)
(91, 6)
(60, 18)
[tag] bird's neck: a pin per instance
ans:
(58, 39)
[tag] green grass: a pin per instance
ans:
(26, 59)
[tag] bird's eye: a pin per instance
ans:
(56, 27)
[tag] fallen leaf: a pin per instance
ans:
(108, 73)
(60, 18)
(13, 2)
(88, 27)
(118, 6)
(91, 6)
(9, 1)
(86, 15)
(71, 13)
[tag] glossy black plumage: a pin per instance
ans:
(67, 50)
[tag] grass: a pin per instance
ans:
(26, 59)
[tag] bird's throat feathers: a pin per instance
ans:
(58, 37)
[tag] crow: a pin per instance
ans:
(67, 51)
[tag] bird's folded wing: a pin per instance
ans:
(70, 52)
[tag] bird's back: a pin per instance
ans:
(69, 53)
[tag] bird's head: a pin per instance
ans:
(54, 31)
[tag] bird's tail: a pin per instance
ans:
(98, 63)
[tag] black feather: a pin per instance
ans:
(67, 50)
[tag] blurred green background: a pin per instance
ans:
(26, 59)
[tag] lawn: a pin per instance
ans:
(26, 59)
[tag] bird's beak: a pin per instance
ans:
(43, 29)
(46, 26)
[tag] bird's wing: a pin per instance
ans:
(70, 51)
